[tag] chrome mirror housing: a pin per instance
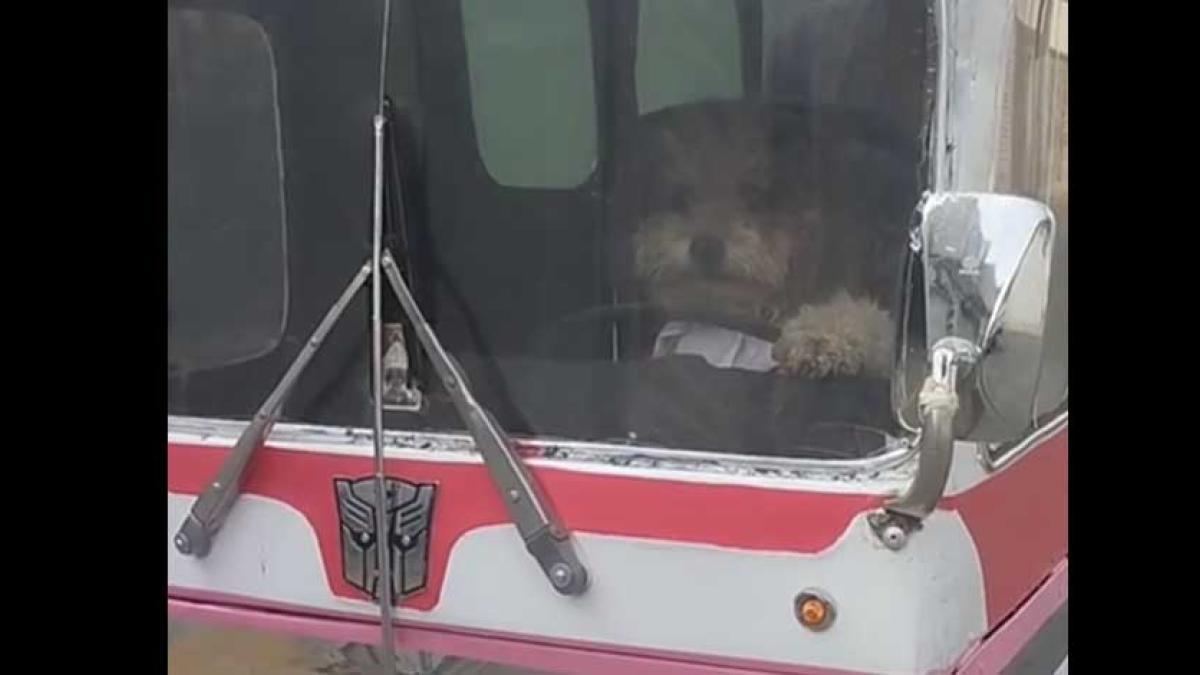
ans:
(983, 264)
(987, 279)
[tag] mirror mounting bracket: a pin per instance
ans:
(939, 404)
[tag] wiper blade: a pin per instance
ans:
(544, 536)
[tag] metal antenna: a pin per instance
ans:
(382, 498)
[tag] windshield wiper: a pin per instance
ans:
(539, 527)
(544, 536)
(209, 511)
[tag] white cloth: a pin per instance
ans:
(721, 347)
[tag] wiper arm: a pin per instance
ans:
(208, 513)
(545, 538)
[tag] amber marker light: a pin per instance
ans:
(814, 610)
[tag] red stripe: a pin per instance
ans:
(698, 513)
(1018, 519)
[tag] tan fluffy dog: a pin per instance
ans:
(737, 209)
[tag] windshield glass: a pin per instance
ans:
(675, 222)
(669, 223)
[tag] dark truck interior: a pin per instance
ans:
(504, 119)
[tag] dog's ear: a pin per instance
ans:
(640, 174)
(636, 158)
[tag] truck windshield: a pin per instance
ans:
(669, 223)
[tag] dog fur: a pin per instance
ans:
(756, 213)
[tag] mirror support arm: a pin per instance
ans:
(938, 405)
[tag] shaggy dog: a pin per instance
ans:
(759, 215)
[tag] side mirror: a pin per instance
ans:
(986, 281)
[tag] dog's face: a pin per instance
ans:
(725, 210)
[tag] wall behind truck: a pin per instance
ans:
(1006, 132)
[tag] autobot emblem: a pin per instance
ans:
(409, 513)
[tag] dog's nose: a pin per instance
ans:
(707, 252)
